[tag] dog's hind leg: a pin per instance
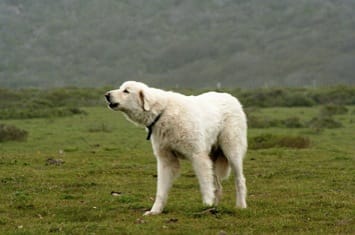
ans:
(241, 188)
(168, 169)
(221, 171)
(218, 189)
(234, 146)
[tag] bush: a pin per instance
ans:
(12, 133)
(335, 95)
(292, 122)
(257, 122)
(27, 113)
(265, 122)
(274, 141)
(275, 97)
(321, 122)
(329, 110)
(292, 97)
(297, 99)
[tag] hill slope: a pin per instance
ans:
(244, 43)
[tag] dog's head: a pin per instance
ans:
(134, 99)
(129, 97)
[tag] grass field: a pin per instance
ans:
(307, 191)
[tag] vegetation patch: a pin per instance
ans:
(265, 141)
(12, 133)
(261, 122)
(329, 110)
(295, 97)
(321, 122)
(276, 97)
(44, 112)
(324, 119)
(293, 122)
(267, 122)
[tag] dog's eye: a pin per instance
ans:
(126, 91)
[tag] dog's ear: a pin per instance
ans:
(144, 100)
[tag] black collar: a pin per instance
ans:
(150, 126)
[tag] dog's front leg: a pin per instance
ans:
(168, 168)
(203, 169)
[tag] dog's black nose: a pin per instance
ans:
(108, 96)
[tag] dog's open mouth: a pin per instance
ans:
(113, 105)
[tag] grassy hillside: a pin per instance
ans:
(71, 166)
(177, 42)
(60, 181)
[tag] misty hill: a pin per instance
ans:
(185, 43)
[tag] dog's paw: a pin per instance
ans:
(241, 204)
(147, 213)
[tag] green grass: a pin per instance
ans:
(307, 191)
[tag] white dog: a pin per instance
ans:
(210, 130)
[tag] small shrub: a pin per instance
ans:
(37, 103)
(77, 111)
(294, 142)
(344, 95)
(292, 122)
(12, 133)
(297, 100)
(63, 112)
(265, 122)
(271, 97)
(44, 112)
(329, 110)
(323, 122)
(274, 141)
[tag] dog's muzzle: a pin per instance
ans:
(111, 104)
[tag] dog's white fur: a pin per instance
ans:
(210, 130)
